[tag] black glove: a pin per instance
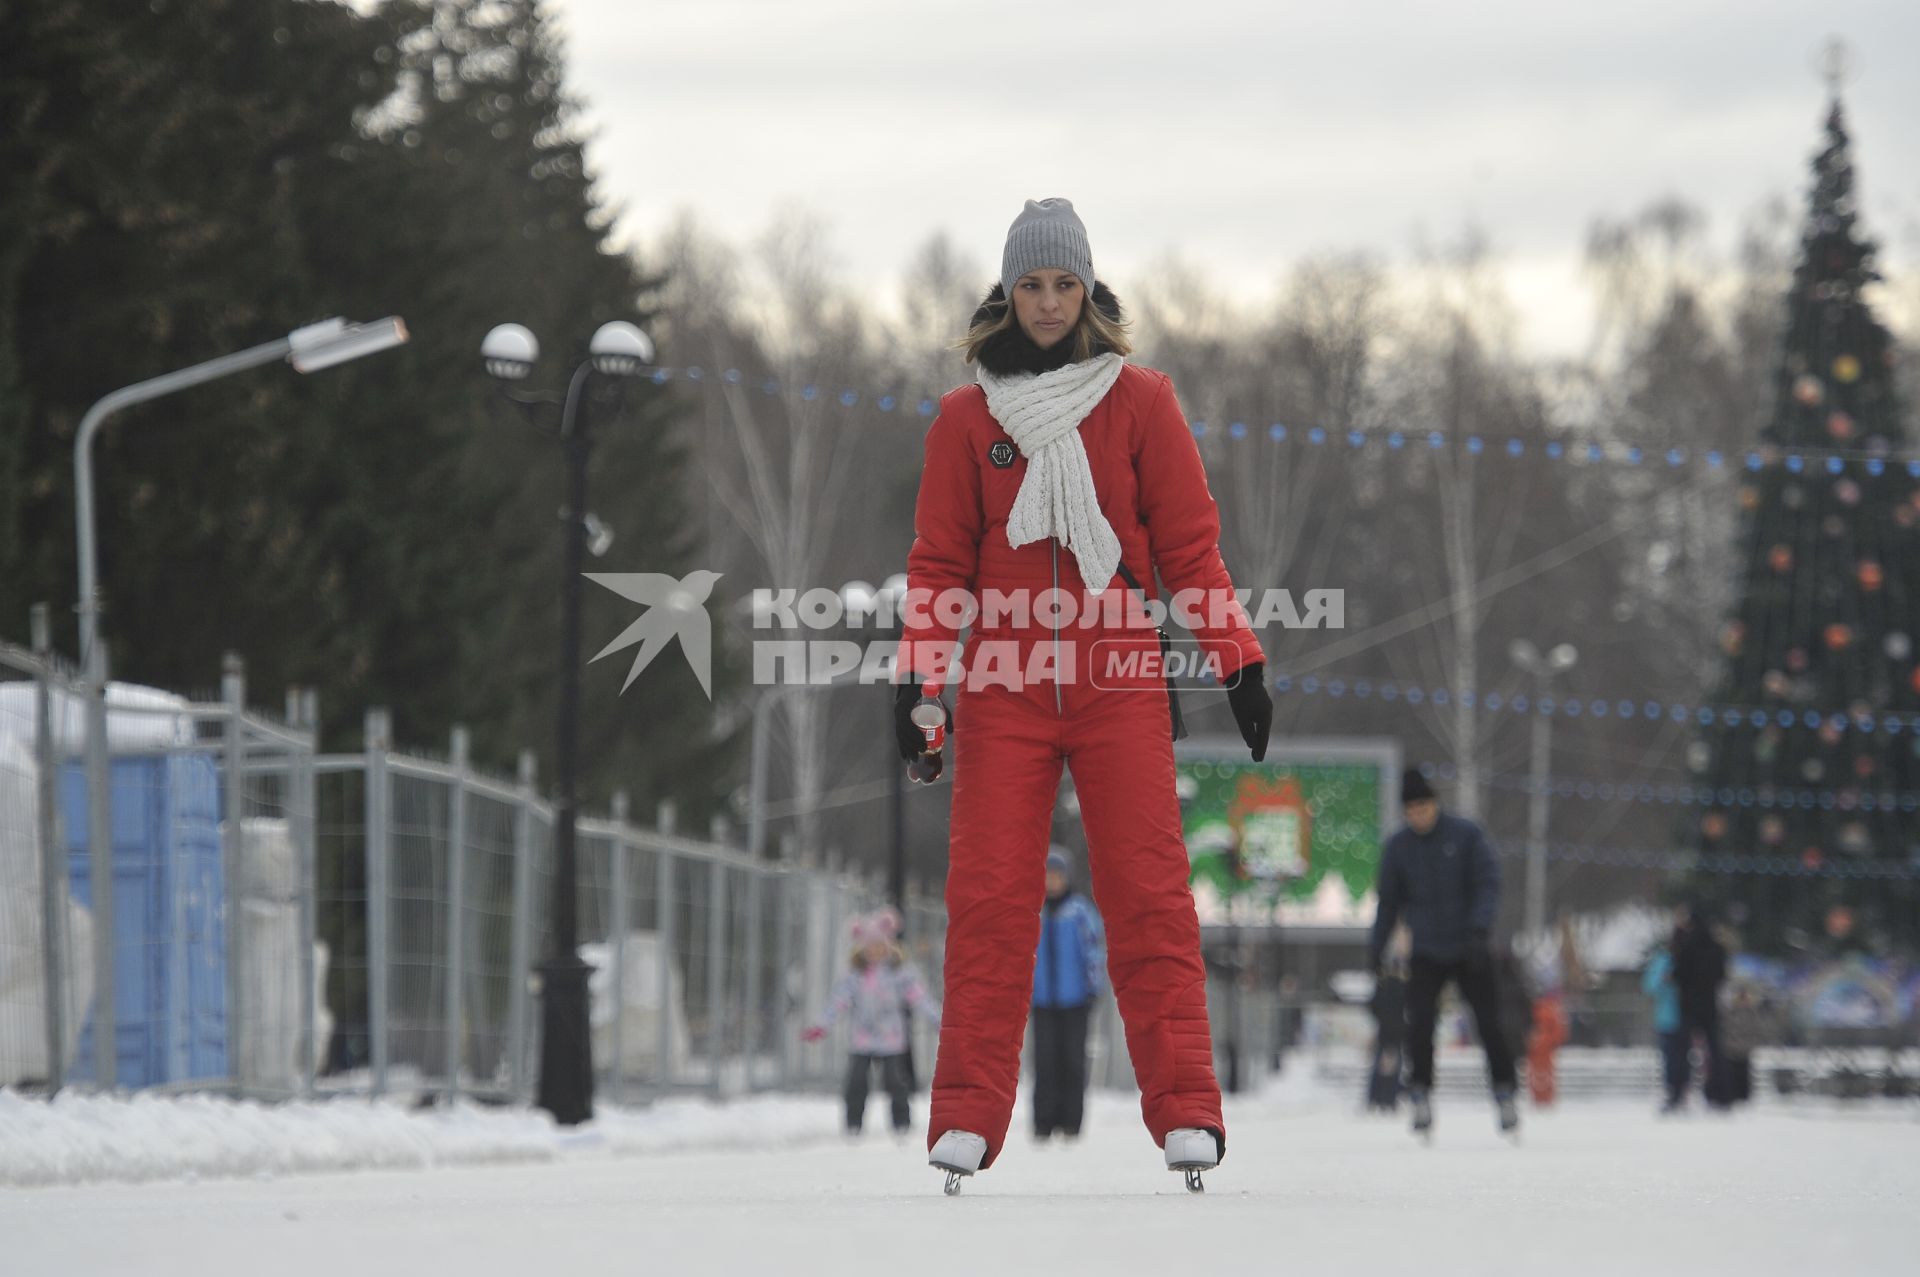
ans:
(1252, 707)
(909, 737)
(907, 734)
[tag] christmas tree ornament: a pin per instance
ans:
(1848, 491)
(1772, 831)
(1870, 575)
(1863, 766)
(1792, 497)
(1780, 559)
(1830, 733)
(1774, 684)
(1840, 426)
(1749, 498)
(1797, 659)
(1811, 858)
(1714, 826)
(1837, 635)
(1812, 770)
(1699, 756)
(1808, 390)
(1733, 636)
(1846, 369)
(1897, 645)
(1854, 839)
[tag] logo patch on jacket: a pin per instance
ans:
(1001, 454)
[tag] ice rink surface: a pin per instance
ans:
(1597, 1187)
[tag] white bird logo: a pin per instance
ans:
(675, 609)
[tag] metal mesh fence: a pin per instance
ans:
(284, 923)
(38, 1008)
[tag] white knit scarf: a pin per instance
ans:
(1043, 412)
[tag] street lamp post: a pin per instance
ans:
(308, 349)
(1542, 668)
(566, 1045)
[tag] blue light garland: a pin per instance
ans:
(1795, 460)
(1388, 690)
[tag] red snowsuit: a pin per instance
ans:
(1010, 744)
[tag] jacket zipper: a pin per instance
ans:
(1054, 549)
(1053, 981)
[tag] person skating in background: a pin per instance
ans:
(876, 998)
(1749, 1023)
(1389, 1007)
(1440, 875)
(1699, 969)
(1069, 972)
(1658, 983)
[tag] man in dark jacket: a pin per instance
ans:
(1068, 973)
(1440, 874)
(1699, 968)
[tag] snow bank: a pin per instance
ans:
(83, 1138)
(77, 1139)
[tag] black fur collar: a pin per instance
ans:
(1013, 351)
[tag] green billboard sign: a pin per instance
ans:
(1280, 827)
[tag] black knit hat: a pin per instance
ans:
(1414, 787)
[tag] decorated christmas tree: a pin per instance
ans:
(1813, 753)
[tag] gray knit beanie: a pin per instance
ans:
(1047, 233)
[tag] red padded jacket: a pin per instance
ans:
(1152, 488)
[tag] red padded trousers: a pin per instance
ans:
(1009, 748)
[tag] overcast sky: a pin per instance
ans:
(1237, 134)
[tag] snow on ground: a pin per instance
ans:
(81, 1138)
(1600, 1187)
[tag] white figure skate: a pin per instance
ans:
(1192, 1151)
(959, 1154)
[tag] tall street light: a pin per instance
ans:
(1542, 668)
(509, 351)
(308, 349)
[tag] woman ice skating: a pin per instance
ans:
(1066, 473)
(875, 998)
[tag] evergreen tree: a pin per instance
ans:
(187, 177)
(1819, 650)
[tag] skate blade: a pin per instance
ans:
(1192, 1175)
(954, 1179)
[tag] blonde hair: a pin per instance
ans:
(893, 957)
(1095, 328)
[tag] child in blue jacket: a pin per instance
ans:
(1068, 974)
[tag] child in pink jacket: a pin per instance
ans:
(875, 998)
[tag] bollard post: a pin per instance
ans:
(233, 868)
(456, 909)
(379, 733)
